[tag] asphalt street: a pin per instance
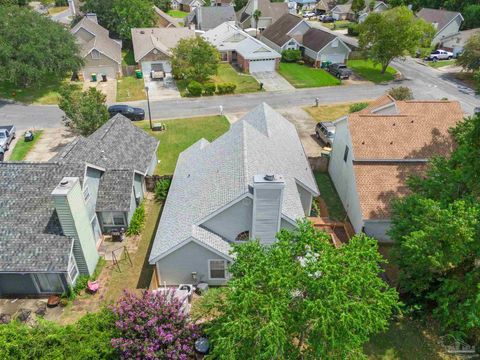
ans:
(426, 83)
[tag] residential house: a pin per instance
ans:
(269, 13)
(292, 32)
(306, 4)
(446, 23)
(343, 12)
(377, 7)
(377, 149)
(102, 55)
(324, 7)
(186, 5)
(221, 3)
(208, 17)
(53, 213)
(240, 49)
(249, 183)
(456, 42)
(152, 47)
(163, 20)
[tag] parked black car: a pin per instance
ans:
(341, 71)
(132, 113)
(328, 19)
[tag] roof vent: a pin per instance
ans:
(64, 182)
(393, 124)
(391, 142)
(142, 32)
(411, 121)
(269, 177)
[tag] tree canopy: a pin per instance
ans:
(391, 34)
(300, 298)
(120, 16)
(84, 111)
(357, 6)
(194, 59)
(33, 47)
(470, 57)
(437, 234)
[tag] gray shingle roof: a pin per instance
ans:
(440, 17)
(115, 191)
(212, 16)
(31, 238)
(277, 32)
(101, 40)
(115, 145)
(316, 39)
(209, 176)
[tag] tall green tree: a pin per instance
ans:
(34, 48)
(437, 234)
(470, 58)
(194, 59)
(357, 6)
(163, 5)
(120, 16)
(256, 16)
(386, 36)
(84, 111)
(300, 298)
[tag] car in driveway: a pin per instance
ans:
(309, 14)
(440, 55)
(130, 112)
(328, 19)
(325, 131)
(341, 71)
(7, 134)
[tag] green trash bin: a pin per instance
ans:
(94, 77)
(323, 65)
(138, 74)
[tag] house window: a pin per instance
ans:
(243, 236)
(72, 269)
(345, 155)
(217, 269)
(113, 219)
(95, 55)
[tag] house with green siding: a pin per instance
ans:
(53, 214)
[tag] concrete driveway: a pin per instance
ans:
(161, 89)
(273, 81)
(109, 88)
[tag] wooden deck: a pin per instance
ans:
(340, 232)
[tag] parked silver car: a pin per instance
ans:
(325, 131)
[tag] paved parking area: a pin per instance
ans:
(109, 88)
(161, 89)
(273, 81)
(50, 143)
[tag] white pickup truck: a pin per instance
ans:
(7, 134)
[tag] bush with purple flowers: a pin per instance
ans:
(152, 326)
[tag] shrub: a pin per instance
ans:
(226, 88)
(194, 88)
(209, 88)
(161, 189)
(301, 62)
(357, 107)
(152, 326)
(291, 55)
(138, 221)
(401, 93)
(476, 79)
(353, 30)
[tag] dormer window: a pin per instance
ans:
(95, 54)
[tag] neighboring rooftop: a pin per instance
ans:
(145, 40)
(165, 20)
(209, 176)
(437, 16)
(211, 16)
(273, 10)
(277, 32)
(229, 36)
(316, 39)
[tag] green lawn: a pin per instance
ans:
(406, 339)
(368, 71)
(45, 94)
(330, 196)
(440, 63)
(303, 76)
(245, 83)
(128, 57)
(226, 73)
(22, 147)
(180, 134)
(340, 24)
(129, 88)
(330, 112)
(177, 13)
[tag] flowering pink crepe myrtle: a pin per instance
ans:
(152, 326)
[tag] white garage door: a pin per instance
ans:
(99, 70)
(261, 65)
(333, 58)
(147, 66)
